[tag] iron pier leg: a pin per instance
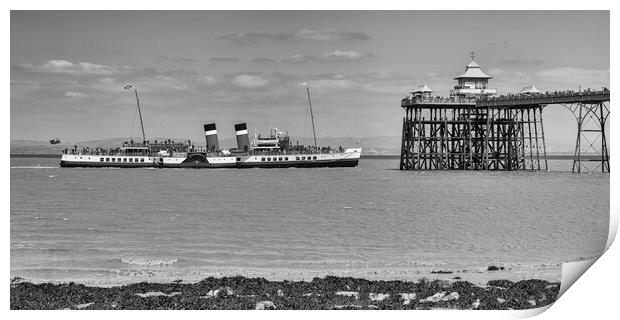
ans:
(419, 137)
(522, 136)
(529, 129)
(403, 148)
(537, 138)
(604, 153)
(471, 151)
(486, 141)
(577, 156)
(542, 130)
(510, 139)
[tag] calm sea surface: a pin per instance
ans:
(124, 225)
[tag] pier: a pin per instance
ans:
(475, 130)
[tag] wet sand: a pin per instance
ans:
(329, 292)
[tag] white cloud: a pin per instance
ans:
(76, 69)
(335, 55)
(298, 58)
(343, 55)
(156, 83)
(304, 34)
(207, 80)
(225, 59)
(249, 81)
(25, 83)
(263, 60)
(330, 35)
(250, 38)
(76, 95)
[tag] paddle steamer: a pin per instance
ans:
(272, 151)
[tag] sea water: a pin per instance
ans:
(112, 226)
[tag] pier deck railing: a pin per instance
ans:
(429, 101)
(585, 97)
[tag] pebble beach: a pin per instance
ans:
(330, 292)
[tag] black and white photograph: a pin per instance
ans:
(306, 159)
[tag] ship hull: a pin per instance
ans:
(318, 164)
(349, 158)
(83, 164)
(309, 164)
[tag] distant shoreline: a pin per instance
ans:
(364, 156)
(30, 155)
(549, 156)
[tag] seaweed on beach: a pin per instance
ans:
(330, 292)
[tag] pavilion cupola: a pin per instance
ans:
(473, 82)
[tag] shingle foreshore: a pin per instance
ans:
(329, 292)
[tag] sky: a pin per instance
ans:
(69, 68)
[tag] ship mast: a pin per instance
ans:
(311, 115)
(140, 114)
(128, 87)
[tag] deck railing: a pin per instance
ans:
(437, 100)
(588, 96)
(569, 96)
